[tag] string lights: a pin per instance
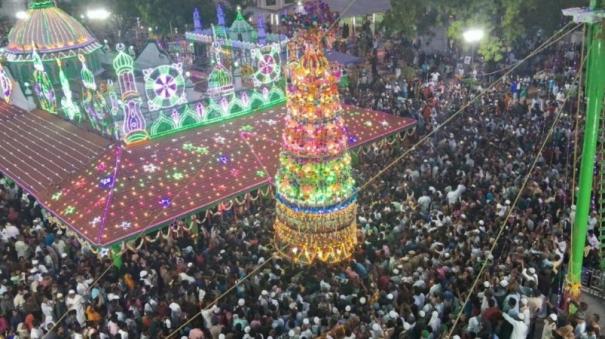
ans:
(316, 205)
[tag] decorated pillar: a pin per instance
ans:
(43, 87)
(316, 203)
(595, 93)
(133, 126)
(197, 21)
(93, 102)
(70, 109)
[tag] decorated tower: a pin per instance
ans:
(43, 88)
(133, 127)
(197, 21)
(70, 109)
(260, 27)
(219, 30)
(316, 203)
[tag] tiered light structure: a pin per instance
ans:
(316, 203)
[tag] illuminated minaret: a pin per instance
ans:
(133, 127)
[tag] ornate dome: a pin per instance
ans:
(220, 80)
(241, 30)
(122, 62)
(53, 32)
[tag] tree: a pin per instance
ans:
(508, 23)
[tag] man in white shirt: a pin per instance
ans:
(520, 329)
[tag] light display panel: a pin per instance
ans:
(165, 86)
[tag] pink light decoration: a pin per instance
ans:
(245, 99)
(225, 106)
(200, 110)
(176, 116)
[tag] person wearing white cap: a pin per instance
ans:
(520, 329)
(529, 274)
(75, 302)
(550, 326)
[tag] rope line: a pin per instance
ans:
(542, 47)
(510, 211)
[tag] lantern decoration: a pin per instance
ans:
(42, 86)
(316, 203)
(70, 109)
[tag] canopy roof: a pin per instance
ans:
(107, 193)
(53, 33)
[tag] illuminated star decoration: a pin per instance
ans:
(70, 210)
(270, 122)
(219, 140)
(261, 173)
(56, 196)
(247, 128)
(95, 221)
(106, 182)
(165, 202)
(125, 225)
(223, 159)
(353, 139)
(384, 123)
(150, 168)
(234, 172)
(177, 175)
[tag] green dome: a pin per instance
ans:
(220, 80)
(122, 62)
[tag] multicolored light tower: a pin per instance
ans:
(316, 204)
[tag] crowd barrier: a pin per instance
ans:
(593, 282)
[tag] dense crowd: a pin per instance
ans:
(425, 229)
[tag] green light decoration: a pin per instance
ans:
(201, 150)
(247, 128)
(43, 87)
(56, 196)
(93, 102)
(178, 175)
(316, 203)
(70, 210)
(165, 86)
(70, 109)
(261, 174)
(214, 110)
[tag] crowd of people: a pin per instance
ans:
(426, 228)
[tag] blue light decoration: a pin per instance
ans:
(197, 21)
(106, 182)
(260, 27)
(223, 159)
(165, 202)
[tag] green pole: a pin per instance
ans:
(595, 89)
